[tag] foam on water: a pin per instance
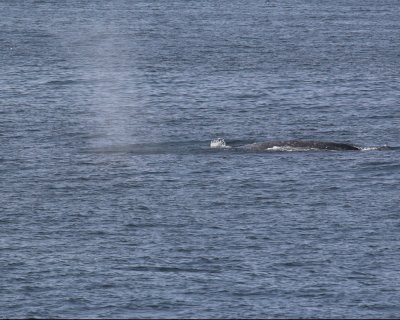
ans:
(369, 148)
(385, 147)
(289, 149)
(218, 143)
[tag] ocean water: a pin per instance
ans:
(113, 204)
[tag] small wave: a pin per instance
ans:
(61, 82)
(379, 148)
(385, 147)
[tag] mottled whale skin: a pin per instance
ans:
(317, 145)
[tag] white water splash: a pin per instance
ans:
(289, 148)
(371, 148)
(218, 143)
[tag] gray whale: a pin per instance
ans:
(302, 144)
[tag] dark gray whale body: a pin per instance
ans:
(301, 144)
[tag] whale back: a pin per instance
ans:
(319, 145)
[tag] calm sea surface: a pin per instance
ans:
(113, 204)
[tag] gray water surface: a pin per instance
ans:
(113, 204)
